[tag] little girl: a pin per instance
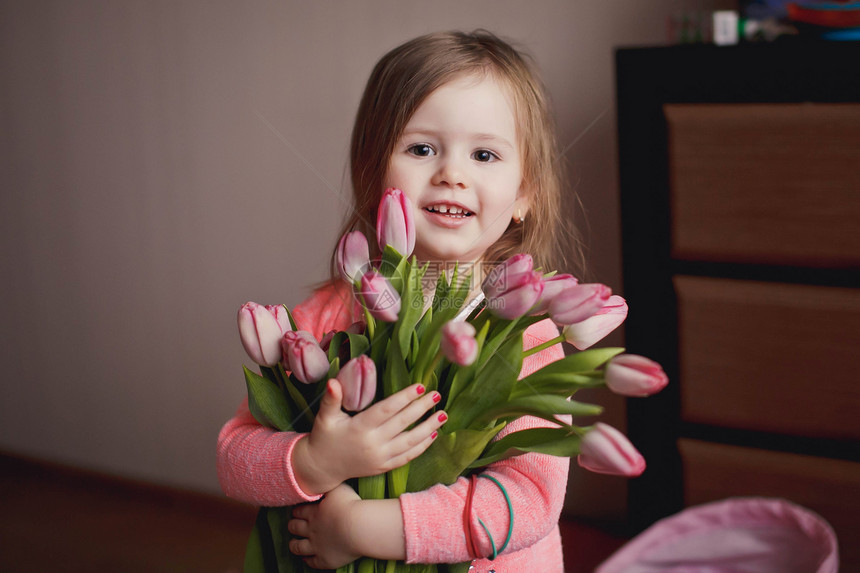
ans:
(461, 124)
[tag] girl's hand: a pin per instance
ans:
(326, 529)
(371, 442)
(342, 527)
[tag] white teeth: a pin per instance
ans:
(448, 210)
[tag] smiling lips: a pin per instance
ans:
(448, 210)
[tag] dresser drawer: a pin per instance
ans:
(769, 356)
(829, 487)
(765, 183)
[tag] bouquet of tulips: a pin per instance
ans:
(471, 351)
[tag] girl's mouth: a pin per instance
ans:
(449, 211)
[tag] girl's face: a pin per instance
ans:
(458, 160)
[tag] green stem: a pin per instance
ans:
(371, 324)
(543, 346)
(432, 368)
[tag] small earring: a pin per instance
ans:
(519, 218)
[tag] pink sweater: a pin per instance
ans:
(254, 466)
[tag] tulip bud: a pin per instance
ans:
(306, 360)
(353, 256)
(593, 329)
(358, 379)
(260, 330)
(507, 273)
(279, 311)
(379, 296)
(395, 222)
(633, 375)
(513, 287)
(576, 303)
(458, 343)
(552, 287)
(605, 450)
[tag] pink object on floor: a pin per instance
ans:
(736, 535)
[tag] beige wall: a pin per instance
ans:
(163, 162)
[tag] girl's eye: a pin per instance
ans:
(421, 150)
(484, 156)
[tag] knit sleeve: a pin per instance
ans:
(536, 484)
(255, 462)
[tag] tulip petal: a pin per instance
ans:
(588, 332)
(605, 450)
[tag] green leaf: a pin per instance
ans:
(269, 537)
(267, 403)
(358, 344)
(290, 316)
(371, 487)
(558, 383)
(562, 442)
(302, 416)
(464, 374)
(335, 345)
(397, 481)
(545, 406)
(333, 368)
(585, 361)
(490, 388)
(411, 306)
(395, 376)
(448, 456)
(393, 266)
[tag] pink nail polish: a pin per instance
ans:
(433, 435)
(420, 389)
(436, 397)
(442, 416)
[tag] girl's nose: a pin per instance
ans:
(450, 174)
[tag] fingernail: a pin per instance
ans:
(420, 389)
(433, 435)
(442, 416)
(436, 397)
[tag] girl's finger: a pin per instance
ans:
(407, 441)
(410, 414)
(379, 413)
(332, 399)
(298, 527)
(414, 451)
(301, 547)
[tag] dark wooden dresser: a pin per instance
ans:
(740, 195)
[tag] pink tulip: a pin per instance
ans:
(633, 375)
(395, 222)
(504, 275)
(605, 450)
(381, 299)
(353, 256)
(279, 311)
(458, 343)
(513, 287)
(358, 379)
(552, 287)
(260, 330)
(576, 303)
(594, 328)
(304, 356)
(521, 297)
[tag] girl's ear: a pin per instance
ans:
(521, 209)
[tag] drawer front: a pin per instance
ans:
(828, 487)
(765, 183)
(770, 356)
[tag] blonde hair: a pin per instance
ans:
(398, 85)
